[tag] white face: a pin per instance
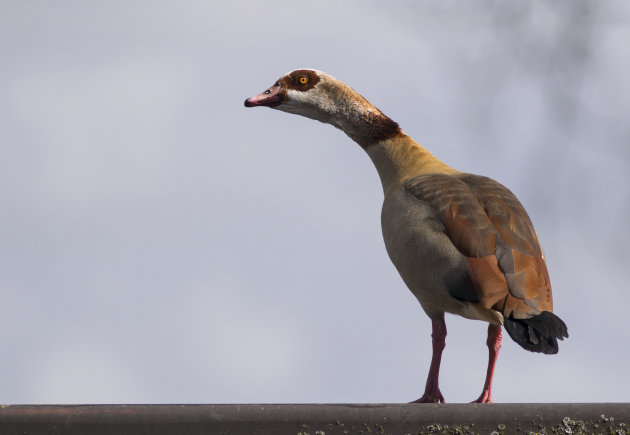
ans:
(314, 103)
(302, 92)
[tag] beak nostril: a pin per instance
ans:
(269, 98)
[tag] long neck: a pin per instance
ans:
(338, 104)
(396, 156)
(363, 123)
(399, 158)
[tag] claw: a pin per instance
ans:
(431, 397)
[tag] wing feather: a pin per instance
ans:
(490, 227)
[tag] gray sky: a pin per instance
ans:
(160, 243)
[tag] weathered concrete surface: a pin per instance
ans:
(577, 418)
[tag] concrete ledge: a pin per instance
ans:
(576, 418)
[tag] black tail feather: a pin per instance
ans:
(539, 333)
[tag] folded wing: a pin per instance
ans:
(490, 227)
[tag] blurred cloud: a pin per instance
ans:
(160, 243)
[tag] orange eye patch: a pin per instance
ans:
(303, 80)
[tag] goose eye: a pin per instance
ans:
(303, 80)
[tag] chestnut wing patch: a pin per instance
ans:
(520, 255)
(489, 226)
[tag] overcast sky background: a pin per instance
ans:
(160, 243)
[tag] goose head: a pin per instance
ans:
(320, 96)
(305, 92)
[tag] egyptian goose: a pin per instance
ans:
(462, 243)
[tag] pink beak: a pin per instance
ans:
(270, 98)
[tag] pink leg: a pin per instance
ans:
(494, 344)
(432, 392)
